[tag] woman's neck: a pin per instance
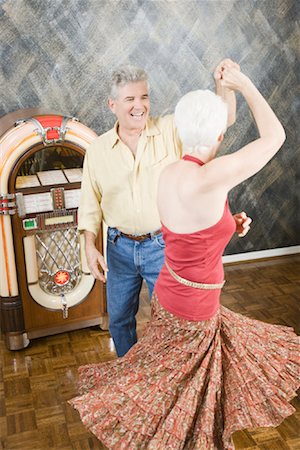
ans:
(204, 155)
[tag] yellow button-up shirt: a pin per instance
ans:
(121, 189)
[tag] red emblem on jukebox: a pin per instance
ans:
(61, 277)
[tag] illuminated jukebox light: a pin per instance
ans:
(61, 278)
(41, 251)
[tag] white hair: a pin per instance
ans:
(125, 74)
(200, 117)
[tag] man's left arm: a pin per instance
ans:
(227, 94)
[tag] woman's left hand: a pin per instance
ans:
(242, 222)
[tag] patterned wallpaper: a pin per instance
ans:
(58, 54)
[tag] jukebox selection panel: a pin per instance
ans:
(47, 210)
(43, 188)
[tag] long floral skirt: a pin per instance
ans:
(191, 385)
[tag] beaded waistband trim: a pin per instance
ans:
(194, 284)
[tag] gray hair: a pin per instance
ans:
(200, 118)
(125, 74)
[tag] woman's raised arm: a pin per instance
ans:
(247, 161)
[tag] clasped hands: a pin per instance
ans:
(222, 66)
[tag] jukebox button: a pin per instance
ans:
(30, 224)
(58, 198)
(61, 277)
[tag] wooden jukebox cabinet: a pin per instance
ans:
(46, 287)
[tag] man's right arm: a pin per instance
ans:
(90, 215)
(89, 212)
(94, 257)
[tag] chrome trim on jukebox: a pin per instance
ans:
(7, 207)
(42, 132)
(64, 306)
(20, 204)
(58, 258)
(16, 341)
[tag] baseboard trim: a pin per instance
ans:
(261, 254)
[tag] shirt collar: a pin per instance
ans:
(115, 136)
(150, 130)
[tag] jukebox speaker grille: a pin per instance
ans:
(58, 256)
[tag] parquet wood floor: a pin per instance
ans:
(35, 383)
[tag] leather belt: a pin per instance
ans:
(141, 237)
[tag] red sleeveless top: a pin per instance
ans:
(196, 257)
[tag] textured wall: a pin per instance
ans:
(59, 53)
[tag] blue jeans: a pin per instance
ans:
(129, 262)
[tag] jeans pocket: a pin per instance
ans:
(159, 240)
(112, 235)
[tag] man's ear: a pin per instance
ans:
(221, 137)
(111, 104)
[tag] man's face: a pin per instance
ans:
(132, 105)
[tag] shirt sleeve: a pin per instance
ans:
(89, 212)
(172, 133)
(177, 140)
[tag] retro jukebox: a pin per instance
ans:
(46, 287)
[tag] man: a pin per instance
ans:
(119, 185)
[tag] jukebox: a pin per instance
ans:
(46, 287)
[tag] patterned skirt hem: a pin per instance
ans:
(189, 385)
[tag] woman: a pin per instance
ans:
(200, 372)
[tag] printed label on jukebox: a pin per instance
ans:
(73, 175)
(27, 181)
(36, 203)
(49, 177)
(72, 198)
